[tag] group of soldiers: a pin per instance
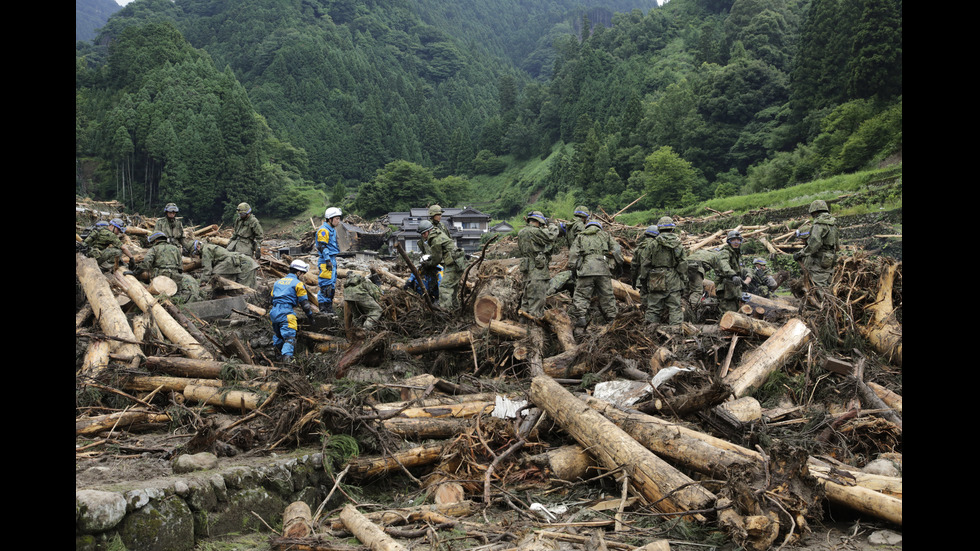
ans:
(661, 269)
(663, 272)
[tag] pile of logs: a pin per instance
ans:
(475, 450)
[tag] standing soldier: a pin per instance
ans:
(171, 226)
(729, 273)
(247, 235)
(588, 258)
(164, 259)
(820, 254)
(637, 276)
(535, 244)
(287, 293)
(699, 263)
(581, 216)
(327, 249)
(441, 249)
(219, 261)
(105, 245)
(664, 264)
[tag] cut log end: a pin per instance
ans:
(486, 309)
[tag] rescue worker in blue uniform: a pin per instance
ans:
(287, 293)
(326, 246)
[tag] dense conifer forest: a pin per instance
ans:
(386, 104)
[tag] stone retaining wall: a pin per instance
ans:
(171, 514)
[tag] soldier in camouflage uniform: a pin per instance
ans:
(640, 284)
(729, 273)
(820, 254)
(247, 235)
(165, 259)
(105, 246)
(440, 249)
(435, 216)
(535, 244)
(699, 263)
(664, 268)
(172, 227)
(589, 257)
(362, 297)
(219, 261)
(761, 283)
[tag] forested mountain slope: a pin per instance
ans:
(696, 99)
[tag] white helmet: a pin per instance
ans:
(331, 212)
(299, 266)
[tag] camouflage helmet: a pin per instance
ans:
(171, 207)
(759, 261)
(155, 236)
(536, 215)
(652, 231)
(732, 235)
(582, 211)
(665, 223)
(435, 210)
(424, 226)
(594, 223)
(118, 223)
(819, 206)
(243, 208)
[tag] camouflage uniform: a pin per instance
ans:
(820, 253)
(762, 284)
(173, 228)
(728, 269)
(588, 257)
(219, 261)
(698, 264)
(247, 235)
(165, 259)
(664, 267)
(104, 246)
(442, 250)
(535, 244)
(362, 296)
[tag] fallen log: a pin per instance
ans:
(297, 520)
(507, 329)
(663, 486)
(89, 426)
(425, 428)
(561, 326)
(414, 514)
(365, 467)
(626, 293)
(192, 330)
(220, 396)
(203, 369)
(768, 357)
(890, 398)
(100, 297)
(745, 325)
(366, 531)
(168, 326)
(96, 358)
(566, 462)
(461, 339)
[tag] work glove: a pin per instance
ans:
(797, 255)
(736, 280)
(309, 316)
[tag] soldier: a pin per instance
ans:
(820, 254)
(361, 296)
(164, 259)
(287, 293)
(761, 282)
(535, 244)
(171, 226)
(581, 215)
(589, 260)
(640, 284)
(247, 236)
(441, 249)
(435, 216)
(219, 261)
(729, 274)
(327, 249)
(105, 245)
(664, 266)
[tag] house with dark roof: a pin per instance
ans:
(466, 226)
